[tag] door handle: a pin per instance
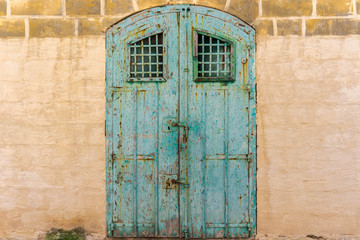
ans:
(176, 124)
(180, 181)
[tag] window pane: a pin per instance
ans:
(147, 56)
(213, 57)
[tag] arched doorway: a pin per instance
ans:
(181, 131)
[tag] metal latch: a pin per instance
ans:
(177, 124)
(180, 181)
(168, 182)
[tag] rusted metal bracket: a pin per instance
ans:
(168, 183)
(250, 158)
(180, 181)
(178, 124)
(251, 92)
(110, 230)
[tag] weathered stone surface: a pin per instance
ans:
(333, 7)
(286, 8)
(114, 7)
(94, 26)
(332, 27)
(345, 26)
(218, 4)
(289, 27)
(50, 125)
(12, 28)
(265, 27)
(51, 27)
(246, 10)
(82, 7)
(3, 6)
(36, 7)
(318, 27)
(316, 92)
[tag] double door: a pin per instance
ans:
(181, 125)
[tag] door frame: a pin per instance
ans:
(221, 16)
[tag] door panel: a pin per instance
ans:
(180, 152)
(218, 142)
(144, 149)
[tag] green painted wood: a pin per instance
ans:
(181, 153)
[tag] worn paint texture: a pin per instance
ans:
(183, 128)
(52, 115)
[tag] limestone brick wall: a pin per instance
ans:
(52, 149)
(309, 136)
(66, 18)
(52, 113)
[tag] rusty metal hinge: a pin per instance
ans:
(113, 156)
(250, 91)
(250, 158)
(110, 230)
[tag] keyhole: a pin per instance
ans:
(168, 183)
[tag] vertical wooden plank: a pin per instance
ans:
(252, 132)
(184, 53)
(146, 112)
(238, 163)
(108, 132)
(215, 163)
(196, 155)
(168, 200)
(226, 153)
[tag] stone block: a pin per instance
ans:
(318, 27)
(114, 7)
(246, 10)
(87, 70)
(265, 27)
(12, 28)
(332, 27)
(218, 4)
(94, 26)
(286, 8)
(82, 7)
(345, 27)
(3, 7)
(333, 7)
(289, 27)
(36, 7)
(12, 49)
(51, 28)
(11, 70)
(351, 49)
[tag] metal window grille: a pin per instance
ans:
(213, 57)
(146, 57)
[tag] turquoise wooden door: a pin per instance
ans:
(180, 129)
